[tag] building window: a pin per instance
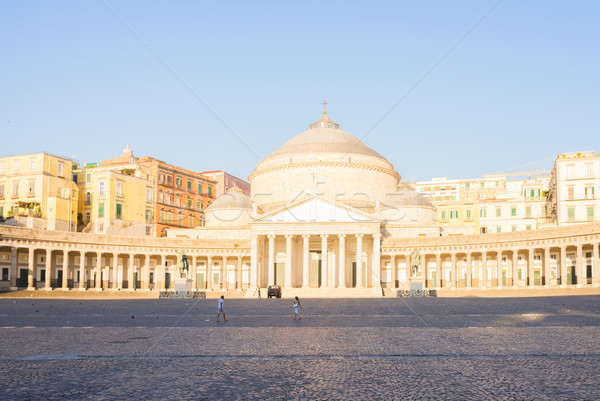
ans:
(443, 215)
(178, 182)
(119, 188)
(60, 167)
(1, 212)
(32, 165)
(589, 170)
(100, 209)
(119, 211)
(148, 194)
(513, 211)
(1, 190)
(17, 166)
(100, 226)
(189, 203)
(2, 167)
(469, 218)
(513, 228)
(209, 190)
(571, 193)
(589, 192)
(570, 172)
(169, 179)
(88, 217)
(528, 211)
(498, 212)
(453, 214)
(498, 229)
(88, 178)
(15, 191)
(544, 211)
(590, 213)
(170, 218)
(148, 216)
(191, 221)
(528, 227)
(482, 213)
(31, 191)
(199, 188)
(161, 178)
(482, 230)
(571, 214)
(467, 185)
(162, 217)
(101, 191)
(189, 186)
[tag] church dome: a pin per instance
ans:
(234, 198)
(325, 161)
(324, 136)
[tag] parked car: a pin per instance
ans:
(274, 291)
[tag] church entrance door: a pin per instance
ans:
(314, 271)
(279, 273)
(353, 274)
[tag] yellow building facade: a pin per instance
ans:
(36, 191)
(115, 200)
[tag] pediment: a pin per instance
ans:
(316, 210)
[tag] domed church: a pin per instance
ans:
(319, 209)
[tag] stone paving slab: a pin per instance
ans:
(410, 349)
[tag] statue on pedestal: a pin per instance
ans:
(415, 262)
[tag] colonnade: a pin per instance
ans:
(575, 264)
(50, 268)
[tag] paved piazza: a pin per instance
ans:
(412, 349)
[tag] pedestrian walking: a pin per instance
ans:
(221, 308)
(297, 308)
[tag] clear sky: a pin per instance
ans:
(522, 86)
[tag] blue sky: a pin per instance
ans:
(521, 87)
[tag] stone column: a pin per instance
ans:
(484, 275)
(563, 266)
(438, 270)
(324, 270)
(394, 272)
(98, 270)
(117, 278)
(359, 265)
(545, 276)
(342, 261)
(530, 267)
(254, 262)
(499, 268)
(305, 260)
(596, 265)
(224, 272)
(82, 270)
(31, 269)
(130, 277)
(193, 271)
(159, 272)
(425, 270)
(65, 269)
(469, 282)
(579, 265)
(13, 268)
(209, 267)
(146, 272)
(515, 268)
(454, 270)
(239, 273)
(376, 272)
(47, 284)
(271, 253)
(288, 261)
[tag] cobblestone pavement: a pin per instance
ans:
(410, 349)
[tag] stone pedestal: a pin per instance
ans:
(183, 284)
(416, 284)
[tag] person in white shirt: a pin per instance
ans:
(221, 309)
(297, 308)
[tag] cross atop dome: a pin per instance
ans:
(324, 122)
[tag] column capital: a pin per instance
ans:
(271, 236)
(377, 236)
(359, 235)
(305, 235)
(324, 235)
(341, 235)
(289, 236)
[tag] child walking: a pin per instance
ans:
(297, 308)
